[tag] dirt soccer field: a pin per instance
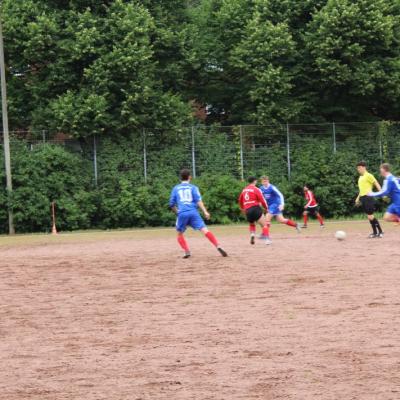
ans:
(120, 316)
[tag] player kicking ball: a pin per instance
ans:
(276, 204)
(252, 202)
(184, 201)
(390, 188)
(311, 207)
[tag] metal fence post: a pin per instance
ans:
(241, 153)
(44, 136)
(144, 156)
(193, 153)
(95, 160)
(334, 137)
(288, 151)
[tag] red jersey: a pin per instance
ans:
(310, 198)
(251, 196)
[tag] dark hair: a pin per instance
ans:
(307, 186)
(184, 174)
(362, 164)
(251, 179)
(385, 167)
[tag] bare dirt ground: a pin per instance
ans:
(121, 316)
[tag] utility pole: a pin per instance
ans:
(6, 136)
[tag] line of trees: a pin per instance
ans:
(111, 66)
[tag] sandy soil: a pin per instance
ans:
(126, 318)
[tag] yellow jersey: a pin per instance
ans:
(366, 183)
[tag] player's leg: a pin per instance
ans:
(197, 223)
(368, 204)
(210, 236)
(181, 224)
(264, 222)
(252, 215)
(392, 213)
(320, 219)
(305, 219)
(280, 218)
(252, 229)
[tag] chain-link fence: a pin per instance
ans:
(230, 150)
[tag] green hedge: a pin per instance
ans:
(47, 173)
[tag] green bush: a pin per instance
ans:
(122, 199)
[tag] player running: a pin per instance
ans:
(311, 207)
(276, 204)
(366, 182)
(252, 202)
(391, 188)
(184, 201)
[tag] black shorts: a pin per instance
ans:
(312, 210)
(368, 204)
(253, 214)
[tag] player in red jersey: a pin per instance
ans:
(252, 202)
(311, 207)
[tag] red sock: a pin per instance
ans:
(320, 219)
(212, 239)
(305, 217)
(291, 223)
(182, 242)
(252, 229)
(265, 231)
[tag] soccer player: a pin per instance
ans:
(276, 203)
(184, 201)
(252, 202)
(311, 207)
(366, 181)
(391, 188)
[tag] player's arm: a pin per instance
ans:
(384, 191)
(172, 202)
(203, 209)
(241, 202)
(377, 186)
(261, 199)
(280, 195)
(199, 201)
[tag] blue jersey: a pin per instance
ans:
(390, 188)
(272, 195)
(185, 197)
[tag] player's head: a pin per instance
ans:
(252, 180)
(385, 169)
(185, 175)
(265, 180)
(306, 188)
(362, 167)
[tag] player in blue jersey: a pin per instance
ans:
(390, 188)
(184, 201)
(276, 203)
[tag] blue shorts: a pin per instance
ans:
(189, 218)
(394, 209)
(273, 209)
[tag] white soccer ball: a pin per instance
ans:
(340, 235)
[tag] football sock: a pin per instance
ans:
(212, 239)
(182, 243)
(252, 228)
(378, 226)
(265, 231)
(372, 222)
(320, 219)
(305, 218)
(291, 223)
